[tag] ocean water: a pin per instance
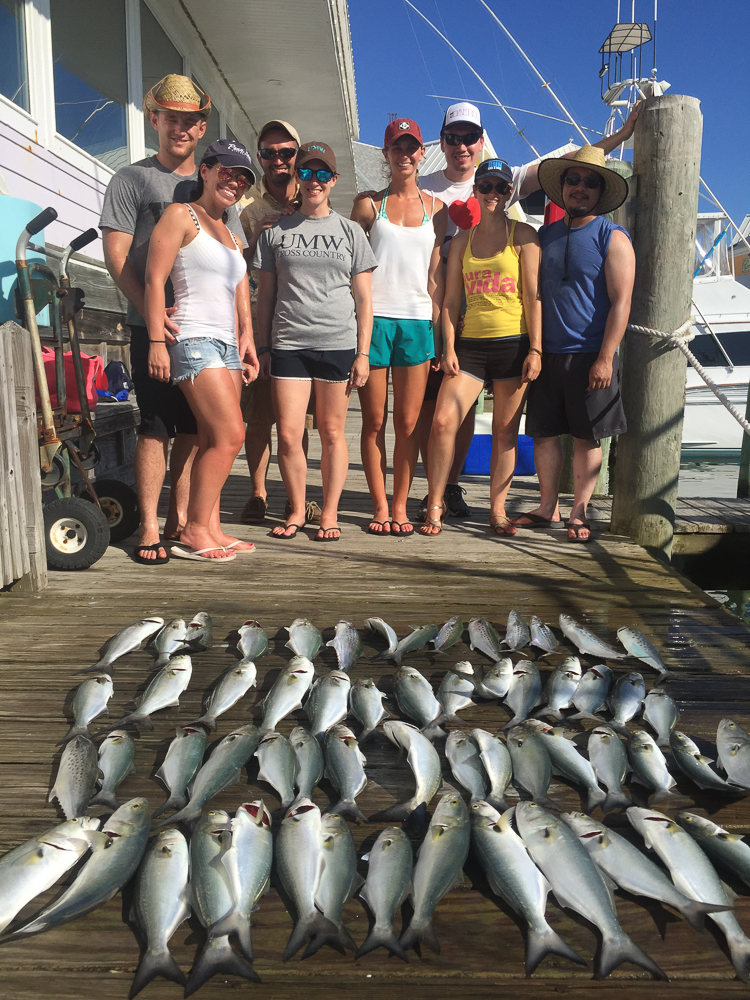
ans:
(708, 479)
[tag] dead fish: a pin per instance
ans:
(89, 702)
(455, 691)
(287, 693)
(449, 634)
(733, 746)
(561, 686)
(116, 756)
(76, 777)
(170, 641)
(517, 633)
(346, 644)
(483, 637)
(163, 692)
(416, 639)
(496, 681)
(691, 762)
(626, 699)
(200, 634)
(384, 629)
(127, 640)
(328, 702)
(650, 767)
(180, 766)
(278, 766)
(592, 693)
(660, 712)
(304, 638)
(366, 703)
(542, 635)
(525, 692)
(415, 698)
(587, 642)
(253, 642)
(345, 768)
(638, 646)
(233, 684)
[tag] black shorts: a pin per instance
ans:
(559, 401)
(498, 360)
(306, 365)
(164, 409)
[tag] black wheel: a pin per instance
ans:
(120, 507)
(76, 533)
(56, 474)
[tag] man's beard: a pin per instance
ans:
(279, 180)
(577, 211)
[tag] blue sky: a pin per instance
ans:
(701, 51)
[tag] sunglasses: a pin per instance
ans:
(592, 183)
(502, 187)
(230, 174)
(462, 140)
(307, 174)
(285, 154)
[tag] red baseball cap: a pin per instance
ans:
(402, 126)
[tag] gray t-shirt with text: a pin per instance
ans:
(314, 260)
(134, 201)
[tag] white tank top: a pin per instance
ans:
(205, 276)
(399, 282)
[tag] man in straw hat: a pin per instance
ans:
(133, 203)
(586, 282)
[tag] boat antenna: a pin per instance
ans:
(545, 83)
(653, 68)
(721, 207)
(509, 116)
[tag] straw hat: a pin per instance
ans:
(177, 93)
(592, 157)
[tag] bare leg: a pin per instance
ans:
(548, 458)
(373, 398)
(217, 531)
(463, 443)
(587, 461)
(331, 403)
(150, 466)
(181, 458)
(258, 455)
(425, 426)
(290, 398)
(408, 393)
(506, 416)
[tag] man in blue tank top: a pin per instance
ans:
(586, 283)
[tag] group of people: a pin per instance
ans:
(429, 280)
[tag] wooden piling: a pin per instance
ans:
(667, 166)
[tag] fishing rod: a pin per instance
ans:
(525, 111)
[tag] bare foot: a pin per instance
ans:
(331, 534)
(150, 536)
(201, 539)
(433, 525)
(501, 524)
(380, 523)
(288, 530)
(235, 544)
(578, 531)
(533, 517)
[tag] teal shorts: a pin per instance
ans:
(401, 343)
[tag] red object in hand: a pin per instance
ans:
(465, 213)
(93, 375)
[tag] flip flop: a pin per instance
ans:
(159, 561)
(401, 533)
(197, 554)
(576, 528)
(382, 525)
(238, 541)
(537, 521)
(286, 538)
(323, 538)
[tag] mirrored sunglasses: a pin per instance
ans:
(285, 154)
(234, 174)
(307, 174)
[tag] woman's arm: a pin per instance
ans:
(435, 278)
(362, 291)
(266, 308)
(452, 301)
(530, 259)
(245, 342)
(168, 236)
(363, 212)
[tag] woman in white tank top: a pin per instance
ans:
(213, 353)
(406, 230)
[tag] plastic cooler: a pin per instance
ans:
(478, 458)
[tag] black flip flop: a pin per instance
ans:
(382, 525)
(333, 527)
(403, 534)
(286, 538)
(576, 528)
(537, 521)
(159, 561)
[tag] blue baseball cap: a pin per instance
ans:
(230, 153)
(494, 168)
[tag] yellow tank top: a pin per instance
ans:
(494, 306)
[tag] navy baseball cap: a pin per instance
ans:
(494, 168)
(230, 153)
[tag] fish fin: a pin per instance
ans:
(366, 735)
(663, 795)
(497, 802)
(173, 802)
(399, 811)
(72, 733)
(53, 794)
(587, 715)
(704, 760)
(215, 958)
(312, 926)
(382, 937)
(110, 800)
(190, 814)
(433, 731)
(539, 944)
(419, 932)
(234, 924)
(207, 720)
(153, 964)
(342, 941)
(739, 949)
(344, 807)
(694, 911)
(616, 800)
(546, 712)
(97, 668)
(619, 948)
(597, 797)
(137, 719)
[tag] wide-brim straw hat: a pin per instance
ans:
(592, 157)
(177, 93)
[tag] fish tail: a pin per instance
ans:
(382, 936)
(739, 949)
(400, 811)
(433, 731)
(497, 802)
(312, 926)
(596, 797)
(161, 661)
(516, 720)
(694, 911)
(346, 807)
(235, 924)
(662, 795)
(153, 964)
(616, 800)
(207, 720)
(587, 715)
(102, 667)
(420, 932)
(173, 802)
(72, 733)
(619, 948)
(218, 956)
(365, 735)
(342, 941)
(108, 799)
(442, 719)
(547, 712)
(540, 943)
(190, 814)
(136, 719)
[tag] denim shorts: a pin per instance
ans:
(189, 357)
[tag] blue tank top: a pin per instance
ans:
(574, 312)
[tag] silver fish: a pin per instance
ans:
(592, 693)
(76, 777)
(466, 764)
(180, 766)
(116, 853)
(578, 884)
(328, 702)
(160, 906)
(253, 642)
(299, 863)
(515, 878)
(455, 691)
(116, 756)
(387, 886)
(525, 692)
(496, 760)
(278, 766)
(233, 684)
(416, 639)
(346, 644)
(439, 868)
(415, 698)
(287, 693)
(424, 762)
(200, 633)
(692, 763)
(694, 875)
(366, 703)
(638, 646)
(532, 767)
(631, 870)
(212, 900)
(561, 686)
(126, 641)
(542, 635)
(733, 747)
(496, 681)
(517, 633)
(248, 864)
(570, 763)
(310, 761)
(649, 766)
(587, 642)
(89, 702)
(170, 640)
(338, 881)
(304, 639)
(34, 866)
(728, 851)
(384, 629)
(345, 768)
(449, 634)
(483, 637)
(222, 769)
(610, 762)
(661, 713)
(163, 691)
(626, 699)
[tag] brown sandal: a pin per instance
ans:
(434, 522)
(498, 529)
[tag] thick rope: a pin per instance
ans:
(679, 339)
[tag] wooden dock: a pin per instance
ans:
(45, 638)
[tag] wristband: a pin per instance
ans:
(157, 341)
(534, 350)
(262, 350)
(365, 354)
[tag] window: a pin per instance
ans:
(158, 58)
(13, 76)
(212, 129)
(90, 76)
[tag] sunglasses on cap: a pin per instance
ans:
(462, 140)
(286, 154)
(234, 174)
(502, 187)
(592, 183)
(307, 174)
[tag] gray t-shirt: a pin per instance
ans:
(314, 261)
(134, 201)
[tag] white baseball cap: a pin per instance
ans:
(462, 112)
